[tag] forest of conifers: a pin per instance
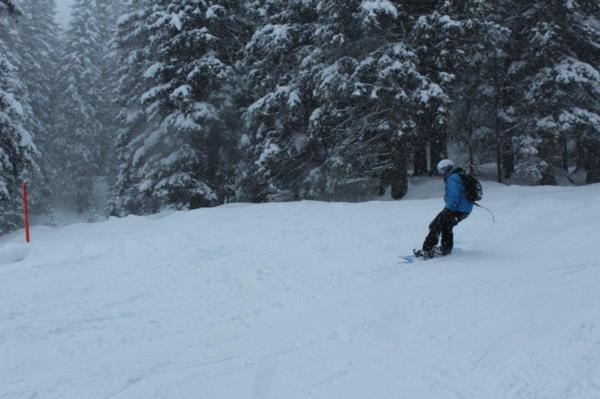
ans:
(192, 103)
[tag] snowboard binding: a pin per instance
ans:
(434, 253)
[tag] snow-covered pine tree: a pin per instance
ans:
(560, 86)
(184, 156)
(369, 93)
(17, 150)
(339, 105)
(463, 45)
(274, 143)
(133, 51)
(78, 129)
(480, 87)
(107, 12)
(433, 36)
(38, 53)
(498, 58)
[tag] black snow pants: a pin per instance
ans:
(442, 225)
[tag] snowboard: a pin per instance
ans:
(414, 258)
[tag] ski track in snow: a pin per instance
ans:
(308, 300)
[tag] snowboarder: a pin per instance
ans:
(457, 208)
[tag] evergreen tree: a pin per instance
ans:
(461, 45)
(17, 150)
(184, 156)
(133, 44)
(338, 108)
(434, 38)
(382, 94)
(274, 143)
(498, 50)
(559, 96)
(107, 12)
(79, 141)
(38, 49)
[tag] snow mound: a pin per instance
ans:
(13, 254)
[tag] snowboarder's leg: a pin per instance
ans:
(447, 241)
(450, 220)
(435, 229)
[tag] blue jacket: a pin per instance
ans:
(455, 197)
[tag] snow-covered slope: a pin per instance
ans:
(308, 300)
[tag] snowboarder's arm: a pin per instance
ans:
(453, 191)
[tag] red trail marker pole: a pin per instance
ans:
(26, 212)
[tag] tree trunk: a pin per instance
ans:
(548, 176)
(498, 100)
(580, 157)
(592, 164)
(438, 149)
(498, 158)
(547, 153)
(499, 144)
(420, 161)
(508, 159)
(399, 173)
(471, 167)
(564, 154)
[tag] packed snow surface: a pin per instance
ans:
(309, 300)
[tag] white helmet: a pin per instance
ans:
(444, 166)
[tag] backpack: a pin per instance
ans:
(473, 189)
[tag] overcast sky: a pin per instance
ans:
(64, 11)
